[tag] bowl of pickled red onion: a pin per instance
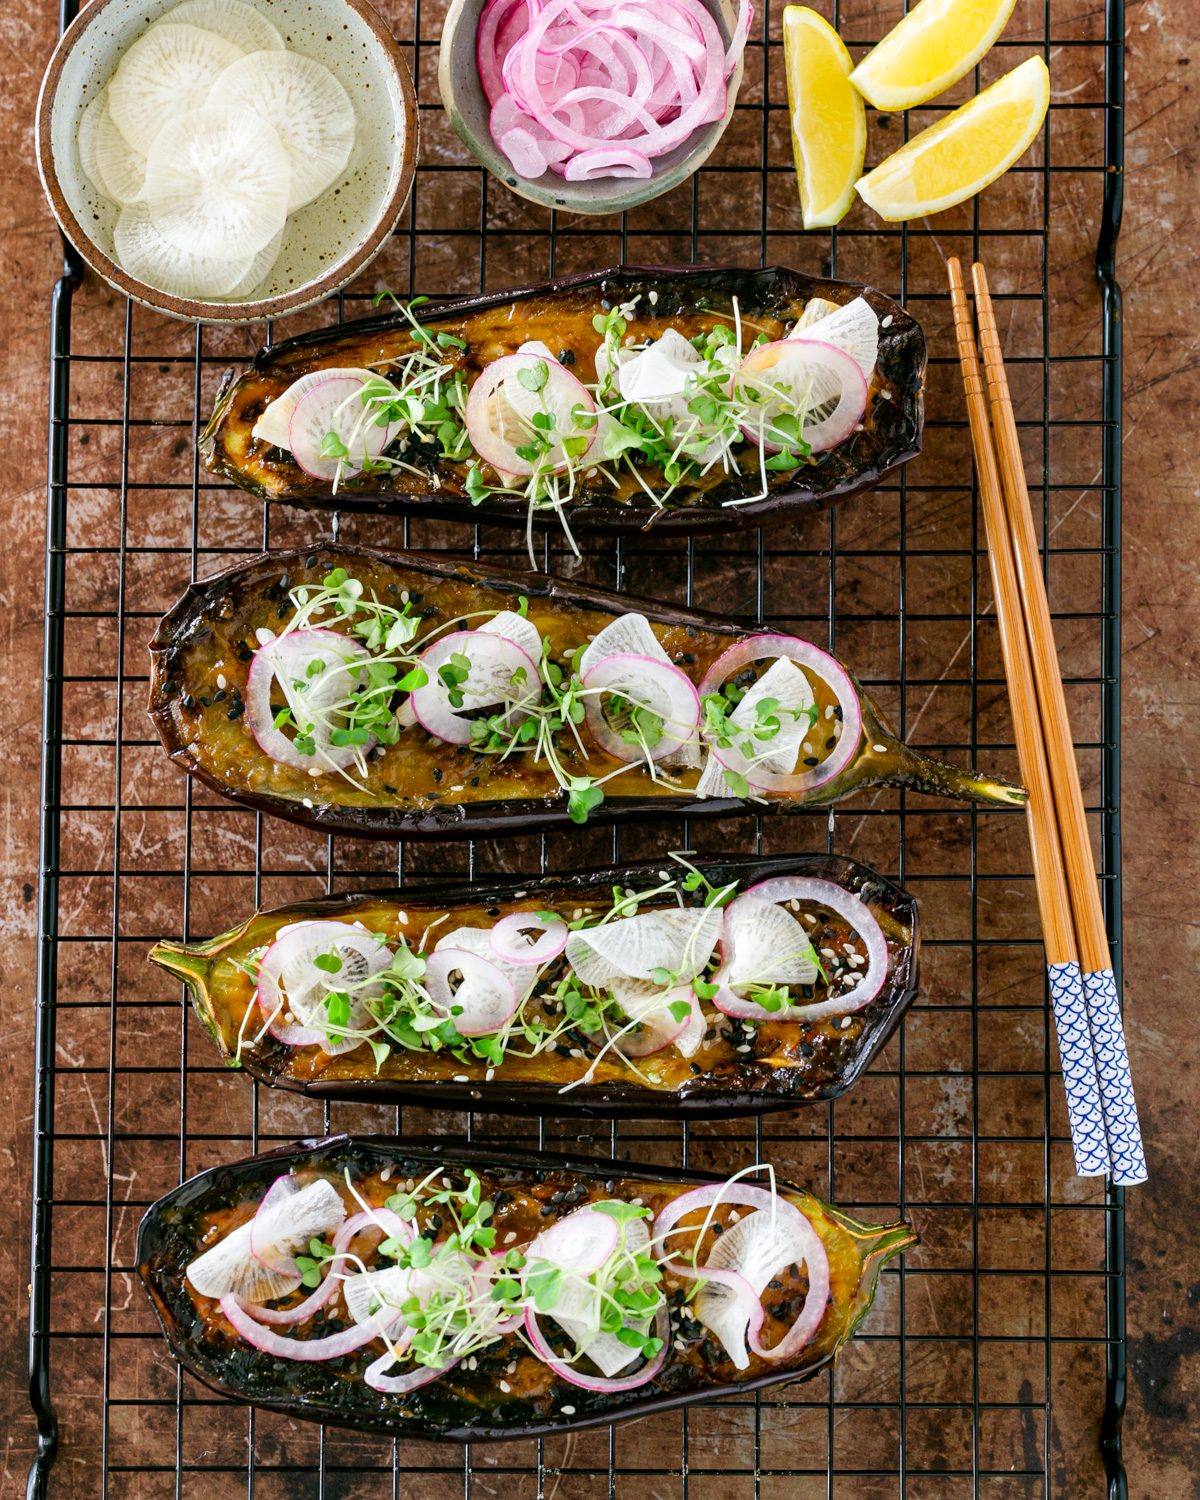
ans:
(589, 105)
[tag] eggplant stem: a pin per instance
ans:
(940, 779)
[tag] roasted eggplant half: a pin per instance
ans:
(448, 1290)
(416, 696)
(634, 397)
(673, 988)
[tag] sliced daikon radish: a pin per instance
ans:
(142, 251)
(238, 23)
(122, 169)
(305, 104)
(336, 406)
(217, 183)
(273, 426)
(85, 136)
(853, 328)
(167, 72)
(259, 267)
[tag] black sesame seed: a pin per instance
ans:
(546, 1210)
(437, 773)
(566, 356)
(830, 743)
(811, 760)
(207, 702)
(188, 701)
(220, 695)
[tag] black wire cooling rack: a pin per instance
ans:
(994, 1362)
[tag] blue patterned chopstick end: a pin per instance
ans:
(1116, 1084)
(1084, 1108)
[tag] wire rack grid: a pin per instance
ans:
(993, 1364)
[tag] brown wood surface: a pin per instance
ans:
(1158, 262)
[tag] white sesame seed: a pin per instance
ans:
(489, 1075)
(402, 918)
(404, 596)
(511, 1367)
(807, 748)
(472, 1363)
(828, 953)
(520, 895)
(307, 802)
(510, 1236)
(846, 1021)
(462, 1078)
(567, 1411)
(576, 1052)
(829, 710)
(653, 296)
(879, 749)
(576, 914)
(808, 917)
(744, 1048)
(314, 770)
(886, 322)
(220, 679)
(457, 787)
(637, 1202)
(263, 636)
(505, 1387)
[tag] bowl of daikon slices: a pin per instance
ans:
(227, 160)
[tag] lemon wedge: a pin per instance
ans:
(829, 123)
(936, 44)
(957, 158)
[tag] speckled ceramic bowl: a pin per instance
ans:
(325, 243)
(467, 105)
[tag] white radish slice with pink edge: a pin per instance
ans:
(217, 183)
(500, 409)
(632, 635)
(499, 672)
(819, 895)
(655, 1009)
(377, 1375)
(478, 940)
(818, 385)
(678, 940)
(747, 653)
(382, 1220)
(305, 104)
(789, 687)
(292, 988)
(853, 328)
(579, 1243)
(289, 1216)
(469, 990)
(335, 406)
(568, 1370)
(315, 673)
(640, 682)
(274, 424)
(167, 73)
(780, 1224)
(229, 1268)
(513, 938)
(243, 25)
(141, 250)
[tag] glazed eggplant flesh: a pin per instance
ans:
(630, 397)
(672, 988)
(418, 697)
(444, 1290)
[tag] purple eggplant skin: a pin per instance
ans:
(215, 606)
(891, 435)
(165, 1244)
(837, 1056)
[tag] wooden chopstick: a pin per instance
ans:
(1099, 985)
(1058, 929)
(1054, 904)
(1084, 890)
